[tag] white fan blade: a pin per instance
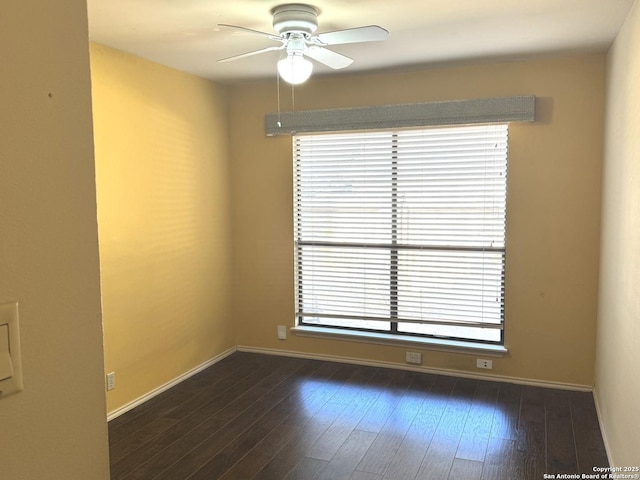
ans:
(372, 33)
(257, 32)
(329, 57)
(250, 54)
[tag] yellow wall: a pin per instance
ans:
(618, 355)
(54, 429)
(553, 210)
(161, 144)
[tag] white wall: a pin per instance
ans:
(553, 206)
(56, 428)
(618, 341)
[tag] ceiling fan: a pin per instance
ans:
(296, 24)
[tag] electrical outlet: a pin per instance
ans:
(111, 381)
(414, 357)
(282, 332)
(488, 364)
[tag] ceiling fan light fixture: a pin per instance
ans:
(295, 69)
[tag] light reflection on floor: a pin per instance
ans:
(412, 413)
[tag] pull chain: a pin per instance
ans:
(278, 88)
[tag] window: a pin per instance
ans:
(402, 232)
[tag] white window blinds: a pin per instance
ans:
(402, 232)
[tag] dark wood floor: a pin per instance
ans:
(265, 417)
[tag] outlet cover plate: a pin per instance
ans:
(414, 357)
(111, 381)
(487, 364)
(282, 332)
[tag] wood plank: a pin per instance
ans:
(502, 461)
(439, 458)
(466, 469)
(561, 453)
(390, 437)
(531, 438)
(358, 475)
(305, 469)
(479, 424)
(507, 413)
(386, 402)
(414, 446)
(343, 464)
(532, 404)
(590, 447)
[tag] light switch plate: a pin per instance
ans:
(9, 317)
(6, 366)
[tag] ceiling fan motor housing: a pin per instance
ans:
(295, 18)
(296, 24)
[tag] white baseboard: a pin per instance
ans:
(162, 388)
(356, 361)
(603, 432)
(417, 368)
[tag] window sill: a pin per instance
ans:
(441, 345)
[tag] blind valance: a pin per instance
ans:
(443, 113)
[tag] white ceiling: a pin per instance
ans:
(184, 34)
